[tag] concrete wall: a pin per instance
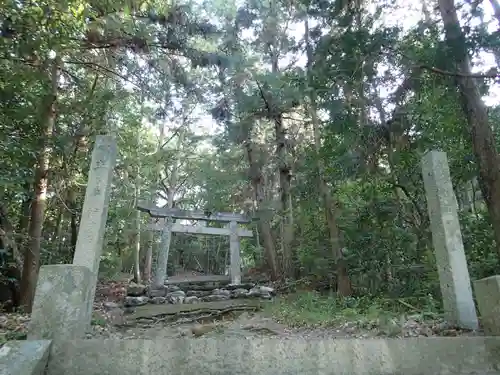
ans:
(429, 356)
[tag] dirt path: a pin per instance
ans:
(242, 318)
(240, 323)
(252, 318)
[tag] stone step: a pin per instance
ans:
(147, 311)
(268, 356)
(140, 294)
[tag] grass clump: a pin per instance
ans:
(312, 309)
(309, 309)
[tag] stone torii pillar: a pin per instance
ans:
(234, 253)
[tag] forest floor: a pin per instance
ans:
(304, 314)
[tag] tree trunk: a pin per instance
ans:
(496, 10)
(285, 197)
(284, 169)
(161, 266)
(32, 254)
(426, 12)
(81, 147)
(58, 236)
(483, 141)
(148, 264)
(265, 226)
(137, 229)
(73, 216)
(24, 218)
(343, 281)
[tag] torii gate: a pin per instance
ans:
(168, 226)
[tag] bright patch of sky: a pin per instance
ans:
(410, 13)
(404, 14)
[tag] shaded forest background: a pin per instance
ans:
(310, 116)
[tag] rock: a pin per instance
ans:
(441, 326)
(197, 293)
(411, 324)
(267, 289)
(171, 288)
(116, 317)
(183, 332)
(157, 292)
(200, 329)
(261, 292)
(176, 297)
(110, 305)
(209, 286)
(136, 290)
(426, 331)
(175, 300)
(239, 286)
(215, 297)
(191, 299)
(239, 293)
(177, 293)
(136, 301)
(389, 327)
(157, 300)
(415, 317)
(129, 309)
(221, 292)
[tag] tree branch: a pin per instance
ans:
(492, 73)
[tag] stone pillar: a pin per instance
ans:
(95, 209)
(24, 357)
(488, 303)
(60, 306)
(163, 251)
(447, 240)
(234, 248)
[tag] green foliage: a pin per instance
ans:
(134, 69)
(312, 310)
(479, 244)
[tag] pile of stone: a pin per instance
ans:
(139, 294)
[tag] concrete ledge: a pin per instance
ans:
(429, 356)
(24, 357)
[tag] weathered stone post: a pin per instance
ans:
(60, 309)
(161, 265)
(447, 240)
(88, 247)
(488, 303)
(64, 295)
(234, 248)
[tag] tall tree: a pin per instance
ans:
(483, 139)
(343, 281)
(47, 121)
